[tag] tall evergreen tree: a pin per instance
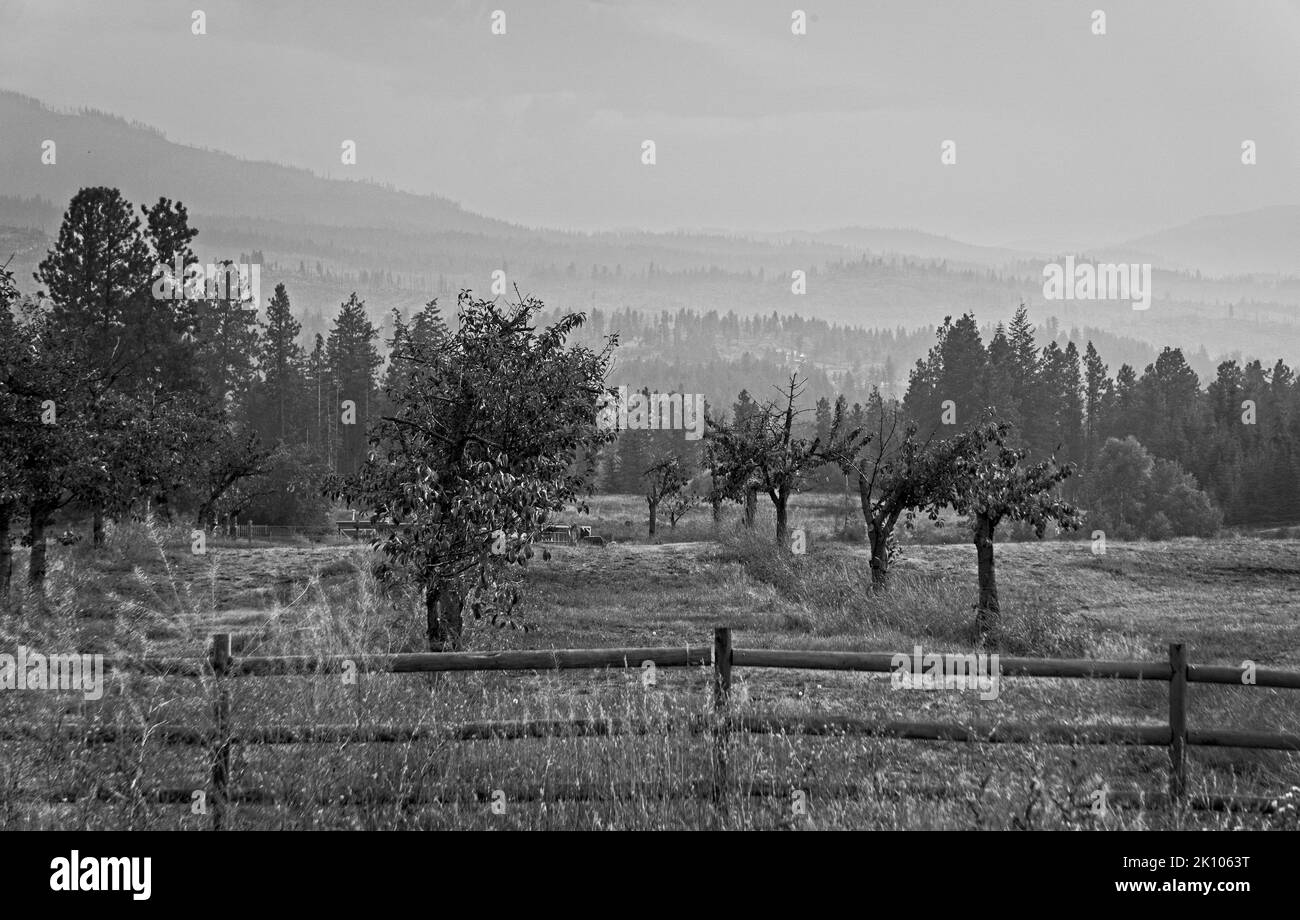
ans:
(1098, 402)
(354, 361)
(317, 391)
(281, 363)
(1033, 405)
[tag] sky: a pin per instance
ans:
(1062, 135)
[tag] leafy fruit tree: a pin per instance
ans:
(766, 446)
(898, 476)
(720, 488)
(46, 453)
(732, 464)
(681, 503)
(664, 481)
(987, 482)
(743, 471)
(234, 455)
(492, 428)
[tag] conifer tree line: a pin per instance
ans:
(1154, 454)
(118, 399)
(1157, 454)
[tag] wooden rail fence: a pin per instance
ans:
(720, 723)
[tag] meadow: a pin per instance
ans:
(1229, 599)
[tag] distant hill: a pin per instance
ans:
(1266, 241)
(325, 238)
(916, 243)
(95, 148)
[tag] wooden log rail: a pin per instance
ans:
(720, 723)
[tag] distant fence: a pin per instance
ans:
(368, 530)
(719, 722)
(250, 531)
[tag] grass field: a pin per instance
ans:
(1229, 600)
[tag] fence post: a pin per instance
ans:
(219, 658)
(721, 709)
(1177, 720)
(250, 530)
(721, 666)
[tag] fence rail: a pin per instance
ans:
(250, 531)
(721, 722)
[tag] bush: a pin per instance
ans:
(290, 493)
(1158, 527)
(1132, 493)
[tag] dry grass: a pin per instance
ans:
(145, 593)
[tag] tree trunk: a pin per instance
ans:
(717, 511)
(751, 506)
(654, 513)
(6, 553)
(987, 612)
(97, 526)
(444, 624)
(781, 503)
(36, 561)
(879, 537)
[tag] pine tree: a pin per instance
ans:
(1063, 394)
(955, 371)
(98, 277)
(1167, 402)
(282, 369)
(228, 344)
(1124, 421)
(317, 387)
(1001, 382)
(353, 362)
(1098, 402)
(1027, 391)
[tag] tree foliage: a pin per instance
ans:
(493, 428)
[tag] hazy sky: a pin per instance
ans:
(1061, 135)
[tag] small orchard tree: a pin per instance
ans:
(681, 503)
(665, 479)
(493, 427)
(733, 469)
(768, 448)
(897, 476)
(236, 456)
(989, 483)
(901, 477)
(720, 489)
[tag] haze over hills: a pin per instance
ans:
(916, 243)
(1265, 241)
(325, 237)
(95, 148)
